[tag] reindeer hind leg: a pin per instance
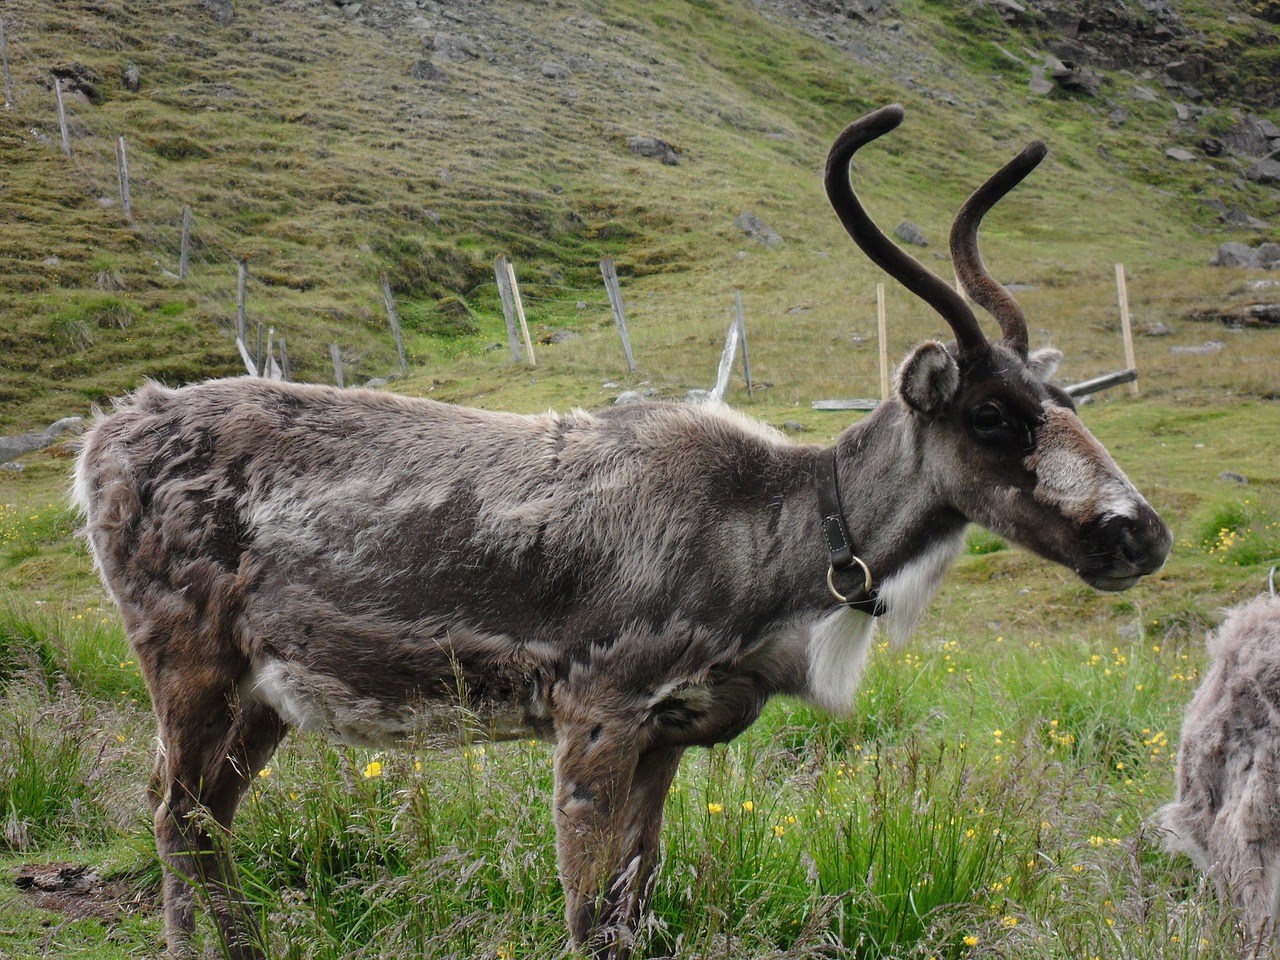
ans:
(211, 748)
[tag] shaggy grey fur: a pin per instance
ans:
(1226, 816)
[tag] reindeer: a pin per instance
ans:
(1226, 815)
(628, 584)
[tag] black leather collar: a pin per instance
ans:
(864, 596)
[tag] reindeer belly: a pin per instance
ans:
(311, 700)
(369, 677)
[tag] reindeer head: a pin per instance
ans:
(1004, 448)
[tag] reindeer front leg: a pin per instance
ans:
(608, 814)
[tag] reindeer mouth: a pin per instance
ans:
(1108, 582)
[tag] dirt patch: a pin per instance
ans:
(75, 890)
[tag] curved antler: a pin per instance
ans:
(880, 249)
(988, 292)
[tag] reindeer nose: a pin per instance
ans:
(1139, 545)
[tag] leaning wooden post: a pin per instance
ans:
(619, 315)
(284, 361)
(259, 355)
(336, 356)
(524, 325)
(4, 59)
(62, 116)
(184, 250)
(1122, 293)
(884, 346)
(242, 286)
(269, 368)
(122, 162)
(508, 304)
(742, 334)
(249, 365)
(726, 365)
(392, 316)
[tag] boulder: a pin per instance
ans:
(1265, 171)
(423, 69)
(219, 11)
(757, 229)
(653, 147)
(908, 232)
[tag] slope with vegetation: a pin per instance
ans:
(992, 796)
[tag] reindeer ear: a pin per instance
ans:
(928, 379)
(1044, 363)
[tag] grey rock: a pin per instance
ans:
(1157, 329)
(423, 69)
(1203, 349)
(908, 232)
(1177, 153)
(1190, 70)
(794, 426)
(452, 46)
(554, 70)
(1232, 477)
(1265, 172)
(1145, 93)
(628, 396)
(219, 11)
(1246, 137)
(1118, 117)
(14, 447)
(757, 229)
(653, 147)
(373, 383)
(1038, 83)
(131, 78)
(1242, 218)
(1233, 254)
(563, 336)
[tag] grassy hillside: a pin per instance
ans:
(302, 140)
(993, 795)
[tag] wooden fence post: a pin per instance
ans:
(884, 347)
(619, 315)
(122, 162)
(4, 59)
(242, 285)
(742, 332)
(726, 365)
(1122, 293)
(519, 304)
(390, 302)
(284, 361)
(62, 116)
(508, 304)
(249, 365)
(336, 355)
(259, 357)
(184, 250)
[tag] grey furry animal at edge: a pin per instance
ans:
(629, 583)
(1226, 814)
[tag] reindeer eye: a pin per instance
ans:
(986, 417)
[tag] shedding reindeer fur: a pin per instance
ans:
(1226, 815)
(627, 584)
